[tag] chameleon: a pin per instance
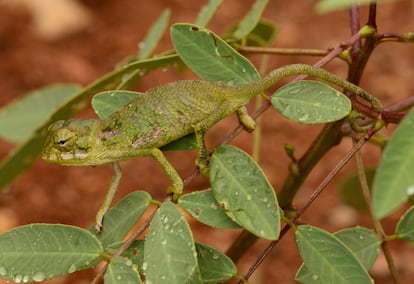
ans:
(162, 115)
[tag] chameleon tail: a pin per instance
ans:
(276, 75)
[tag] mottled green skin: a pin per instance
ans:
(152, 120)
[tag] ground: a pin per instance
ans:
(33, 56)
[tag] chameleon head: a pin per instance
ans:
(73, 142)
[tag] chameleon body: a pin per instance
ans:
(162, 115)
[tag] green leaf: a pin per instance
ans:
(351, 192)
(250, 20)
(241, 188)
(262, 34)
(207, 12)
(210, 57)
(394, 180)
(405, 227)
(19, 119)
(215, 267)
(120, 219)
(169, 250)
(154, 35)
(202, 206)
(106, 103)
(135, 253)
(327, 258)
(311, 102)
(122, 270)
(324, 6)
(21, 158)
(38, 252)
(363, 243)
(185, 143)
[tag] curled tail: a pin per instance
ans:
(276, 75)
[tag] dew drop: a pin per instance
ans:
(3, 271)
(304, 117)
(119, 277)
(164, 242)
(410, 190)
(144, 265)
(249, 197)
(25, 279)
(18, 278)
(72, 268)
(166, 219)
(315, 277)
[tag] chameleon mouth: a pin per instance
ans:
(66, 156)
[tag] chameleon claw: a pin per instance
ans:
(176, 191)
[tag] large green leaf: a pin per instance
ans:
(328, 259)
(394, 180)
(215, 267)
(169, 250)
(311, 102)
(363, 243)
(210, 57)
(19, 119)
(120, 219)
(242, 189)
(202, 206)
(405, 227)
(38, 252)
(251, 19)
(122, 270)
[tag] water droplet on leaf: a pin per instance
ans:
(72, 268)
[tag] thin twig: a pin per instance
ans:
(376, 223)
(124, 246)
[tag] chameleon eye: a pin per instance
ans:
(64, 139)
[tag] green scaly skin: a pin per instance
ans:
(162, 115)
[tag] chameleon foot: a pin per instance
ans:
(175, 190)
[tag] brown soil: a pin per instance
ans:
(55, 194)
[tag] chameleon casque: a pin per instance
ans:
(162, 115)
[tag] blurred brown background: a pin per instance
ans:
(48, 41)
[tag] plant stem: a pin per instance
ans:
(283, 51)
(376, 223)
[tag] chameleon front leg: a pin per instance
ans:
(113, 186)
